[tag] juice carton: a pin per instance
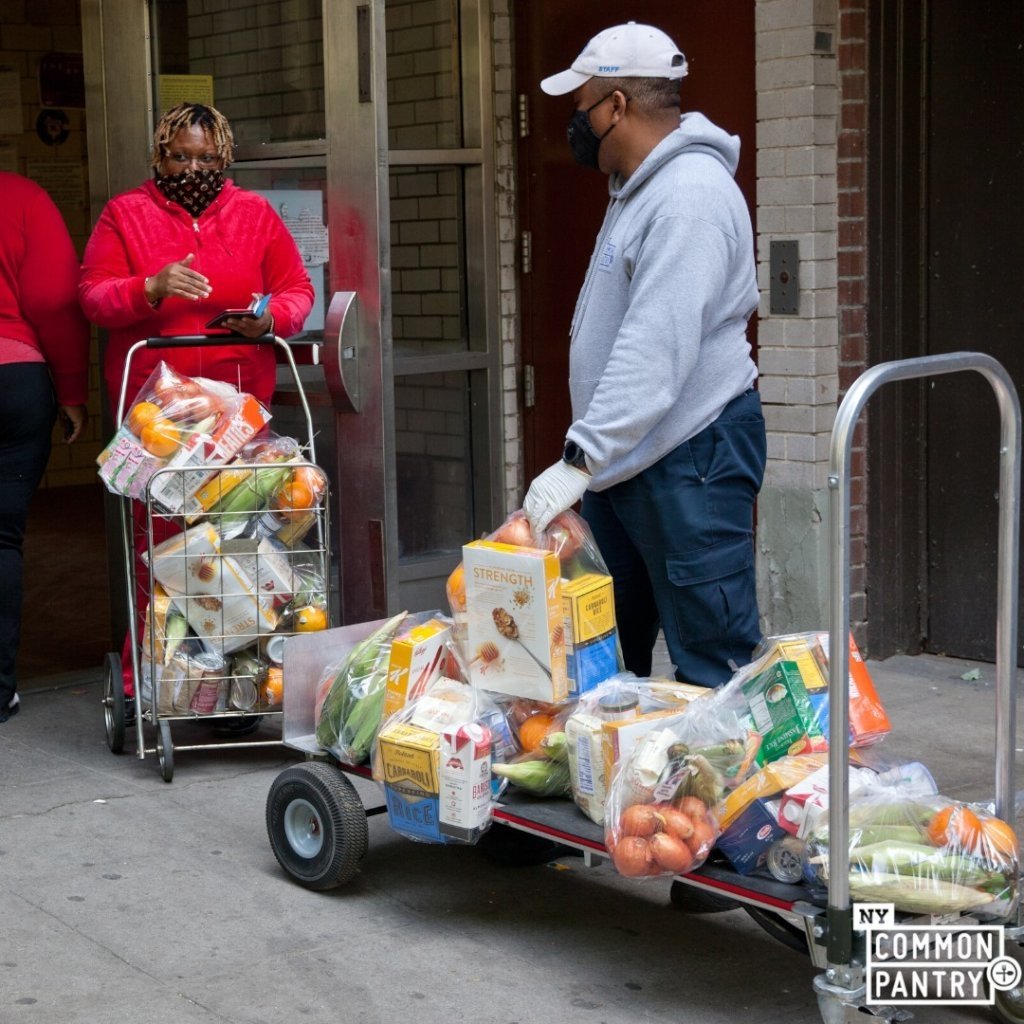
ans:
(409, 762)
(465, 784)
(516, 629)
(591, 639)
(781, 713)
(417, 659)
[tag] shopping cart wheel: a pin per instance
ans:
(165, 750)
(113, 702)
(316, 824)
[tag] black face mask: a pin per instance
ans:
(193, 190)
(584, 142)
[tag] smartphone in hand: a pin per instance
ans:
(253, 311)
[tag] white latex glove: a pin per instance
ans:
(559, 487)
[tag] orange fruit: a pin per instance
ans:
(160, 437)
(310, 619)
(294, 497)
(142, 414)
(999, 839)
(457, 589)
(955, 825)
(533, 730)
(272, 689)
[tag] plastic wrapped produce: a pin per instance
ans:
(927, 855)
(607, 722)
(661, 815)
(350, 696)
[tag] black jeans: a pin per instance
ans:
(678, 541)
(28, 411)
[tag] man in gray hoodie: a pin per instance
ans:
(667, 443)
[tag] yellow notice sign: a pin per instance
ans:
(175, 89)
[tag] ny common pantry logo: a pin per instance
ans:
(932, 964)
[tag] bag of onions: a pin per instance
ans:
(662, 811)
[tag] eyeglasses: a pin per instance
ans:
(204, 160)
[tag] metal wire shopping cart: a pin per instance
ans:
(225, 552)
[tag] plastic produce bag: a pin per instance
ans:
(607, 722)
(350, 696)
(434, 757)
(807, 655)
(576, 645)
(185, 423)
(661, 815)
(541, 767)
(927, 855)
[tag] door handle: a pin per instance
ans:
(341, 351)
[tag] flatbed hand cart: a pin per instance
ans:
(239, 579)
(317, 824)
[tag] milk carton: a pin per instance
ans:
(516, 629)
(465, 783)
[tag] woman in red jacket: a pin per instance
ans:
(44, 352)
(166, 257)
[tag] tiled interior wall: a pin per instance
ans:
(29, 30)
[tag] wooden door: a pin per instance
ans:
(561, 205)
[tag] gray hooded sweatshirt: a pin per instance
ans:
(658, 339)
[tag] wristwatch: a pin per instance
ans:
(575, 456)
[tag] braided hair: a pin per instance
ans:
(184, 115)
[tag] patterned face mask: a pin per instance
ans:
(192, 190)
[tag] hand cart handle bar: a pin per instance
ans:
(209, 340)
(856, 398)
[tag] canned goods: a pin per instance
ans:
(273, 648)
(243, 693)
(785, 860)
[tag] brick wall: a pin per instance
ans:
(30, 29)
(811, 59)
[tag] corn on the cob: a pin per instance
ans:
(250, 496)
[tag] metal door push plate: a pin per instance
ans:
(341, 351)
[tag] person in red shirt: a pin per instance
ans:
(169, 255)
(44, 372)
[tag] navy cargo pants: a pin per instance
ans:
(678, 541)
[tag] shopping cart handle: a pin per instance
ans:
(188, 340)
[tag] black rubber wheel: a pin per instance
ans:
(512, 848)
(317, 825)
(779, 928)
(165, 750)
(113, 702)
(688, 899)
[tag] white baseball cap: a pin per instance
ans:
(624, 51)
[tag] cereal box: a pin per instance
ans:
(516, 627)
(591, 639)
(416, 660)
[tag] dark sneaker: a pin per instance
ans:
(129, 711)
(9, 712)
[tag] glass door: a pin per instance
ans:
(368, 127)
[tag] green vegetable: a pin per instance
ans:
(351, 711)
(916, 895)
(869, 834)
(542, 776)
(555, 746)
(250, 496)
(175, 630)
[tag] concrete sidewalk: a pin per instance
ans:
(125, 898)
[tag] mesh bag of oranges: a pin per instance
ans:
(188, 423)
(930, 855)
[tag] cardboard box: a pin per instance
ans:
(781, 713)
(620, 737)
(465, 783)
(409, 761)
(416, 660)
(747, 840)
(591, 637)
(516, 629)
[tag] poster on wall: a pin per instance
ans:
(10, 100)
(302, 212)
(175, 89)
(62, 80)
